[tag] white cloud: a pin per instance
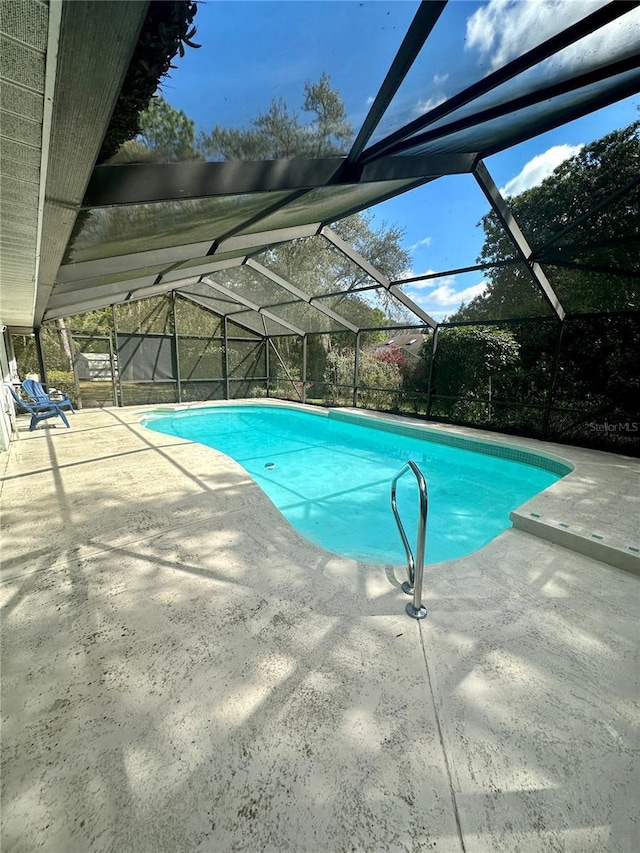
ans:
(426, 241)
(446, 295)
(370, 100)
(439, 296)
(429, 282)
(408, 273)
(418, 285)
(438, 316)
(538, 168)
(504, 29)
(424, 106)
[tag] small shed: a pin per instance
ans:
(93, 365)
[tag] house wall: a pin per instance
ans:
(9, 373)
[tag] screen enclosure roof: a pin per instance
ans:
(214, 231)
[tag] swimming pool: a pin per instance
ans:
(329, 474)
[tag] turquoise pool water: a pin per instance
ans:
(331, 479)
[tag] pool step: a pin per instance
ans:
(589, 543)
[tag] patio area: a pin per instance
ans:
(182, 671)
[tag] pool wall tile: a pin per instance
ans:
(503, 451)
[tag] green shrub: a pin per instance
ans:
(62, 380)
(380, 378)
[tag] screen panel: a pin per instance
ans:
(146, 358)
(114, 231)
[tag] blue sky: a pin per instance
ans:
(256, 50)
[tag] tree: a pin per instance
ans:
(381, 246)
(330, 133)
(467, 357)
(467, 362)
(311, 263)
(588, 364)
(576, 264)
(379, 377)
(279, 132)
(99, 322)
(167, 132)
(275, 134)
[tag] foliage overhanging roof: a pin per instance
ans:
(208, 230)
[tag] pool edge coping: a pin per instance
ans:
(402, 425)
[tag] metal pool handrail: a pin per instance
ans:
(415, 608)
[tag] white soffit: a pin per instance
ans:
(24, 36)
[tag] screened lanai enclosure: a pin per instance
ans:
(236, 266)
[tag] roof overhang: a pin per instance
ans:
(69, 68)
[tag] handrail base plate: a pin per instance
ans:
(420, 613)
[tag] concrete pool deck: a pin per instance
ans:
(183, 672)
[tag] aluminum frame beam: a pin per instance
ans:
(241, 300)
(154, 290)
(143, 183)
(529, 99)
(68, 298)
(140, 183)
(300, 294)
(376, 275)
(328, 331)
(98, 286)
(509, 223)
(256, 242)
(92, 304)
(133, 261)
(201, 304)
(137, 261)
(260, 240)
(72, 297)
(419, 31)
(569, 36)
(588, 102)
(423, 166)
(174, 255)
(177, 275)
(331, 237)
(598, 268)
(473, 268)
(172, 278)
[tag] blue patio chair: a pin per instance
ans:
(34, 389)
(39, 411)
